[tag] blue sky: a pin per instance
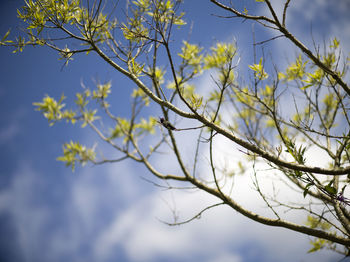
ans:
(108, 213)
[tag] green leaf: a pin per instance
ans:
(136, 68)
(296, 70)
(121, 128)
(330, 189)
(221, 55)
(307, 187)
(215, 96)
(146, 126)
(50, 108)
(317, 244)
(75, 152)
(192, 57)
(102, 91)
(259, 71)
(335, 43)
(89, 117)
(6, 35)
(306, 87)
(196, 101)
(140, 93)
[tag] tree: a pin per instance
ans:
(250, 114)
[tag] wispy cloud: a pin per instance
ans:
(91, 215)
(12, 127)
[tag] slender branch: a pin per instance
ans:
(197, 216)
(273, 222)
(242, 15)
(290, 36)
(285, 12)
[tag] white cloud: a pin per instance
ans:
(145, 238)
(219, 231)
(219, 235)
(29, 219)
(308, 21)
(106, 209)
(326, 20)
(9, 132)
(226, 257)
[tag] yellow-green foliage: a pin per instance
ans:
(317, 243)
(244, 97)
(38, 14)
(192, 57)
(146, 126)
(121, 128)
(335, 43)
(75, 152)
(330, 103)
(124, 128)
(164, 13)
(135, 67)
(188, 92)
(215, 96)
(267, 96)
(52, 110)
(259, 71)
(82, 99)
(314, 78)
(136, 29)
(220, 55)
(68, 14)
(103, 90)
(140, 93)
(158, 74)
(295, 71)
(315, 222)
(4, 40)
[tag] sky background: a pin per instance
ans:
(109, 213)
